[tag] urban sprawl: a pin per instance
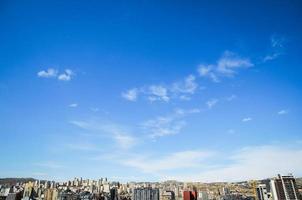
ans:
(278, 188)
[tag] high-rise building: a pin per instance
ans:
(284, 188)
(190, 195)
(145, 194)
(113, 194)
(262, 192)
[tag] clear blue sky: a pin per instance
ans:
(150, 90)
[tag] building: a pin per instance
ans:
(113, 194)
(168, 195)
(284, 188)
(190, 195)
(146, 194)
(262, 192)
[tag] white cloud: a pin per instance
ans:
(187, 86)
(227, 65)
(130, 95)
(283, 112)
(73, 105)
(229, 62)
(256, 162)
(246, 119)
(182, 90)
(211, 103)
(53, 73)
(67, 75)
(125, 141)
(163, 126)
(49, 73)
(271, 57)
(208, 71)
(231, 98)
(122, 138)
(158, 92)
(167, 125)
(277, 48)
(177, 160)
(277, 41)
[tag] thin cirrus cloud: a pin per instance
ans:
(277, 48)
(246, 119)
(211, 103)
(49, 165)
(178, 160)
(67, 75)
(226, 66)
(73, 105)
(130, 95)
(170, 124)
(248, 163)
(122, 138)
(283, 112)
(182, 90)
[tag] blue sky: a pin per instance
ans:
(150, 90)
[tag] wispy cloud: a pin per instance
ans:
(230, 62)
(39, 174)
(49, 164)
(130, 95)
(277, 48)
(231, 131)
(158, 93)
(53, 73)
(73, 105)
(122, 138)
(246, 119)
(187, 86)
(227, 65)
(231, 98)
(177, 160)
(211, 103)
(253, 163)
(67, 75)
(182, 90)
(49, 73)
(283, 112)
(167, 125)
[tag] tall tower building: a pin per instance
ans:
(284, 188)
(262, 192)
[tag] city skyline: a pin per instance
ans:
(150, 91)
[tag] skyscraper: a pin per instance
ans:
(261, 192)
(145, 194)
(284, 188)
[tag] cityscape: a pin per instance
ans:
(150, 100)
(281, 187)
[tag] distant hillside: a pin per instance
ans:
(13, 181)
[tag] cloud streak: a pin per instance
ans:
(182, 90)
(123, 139)
(226, 66)
(67, 75)
(167, 125)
